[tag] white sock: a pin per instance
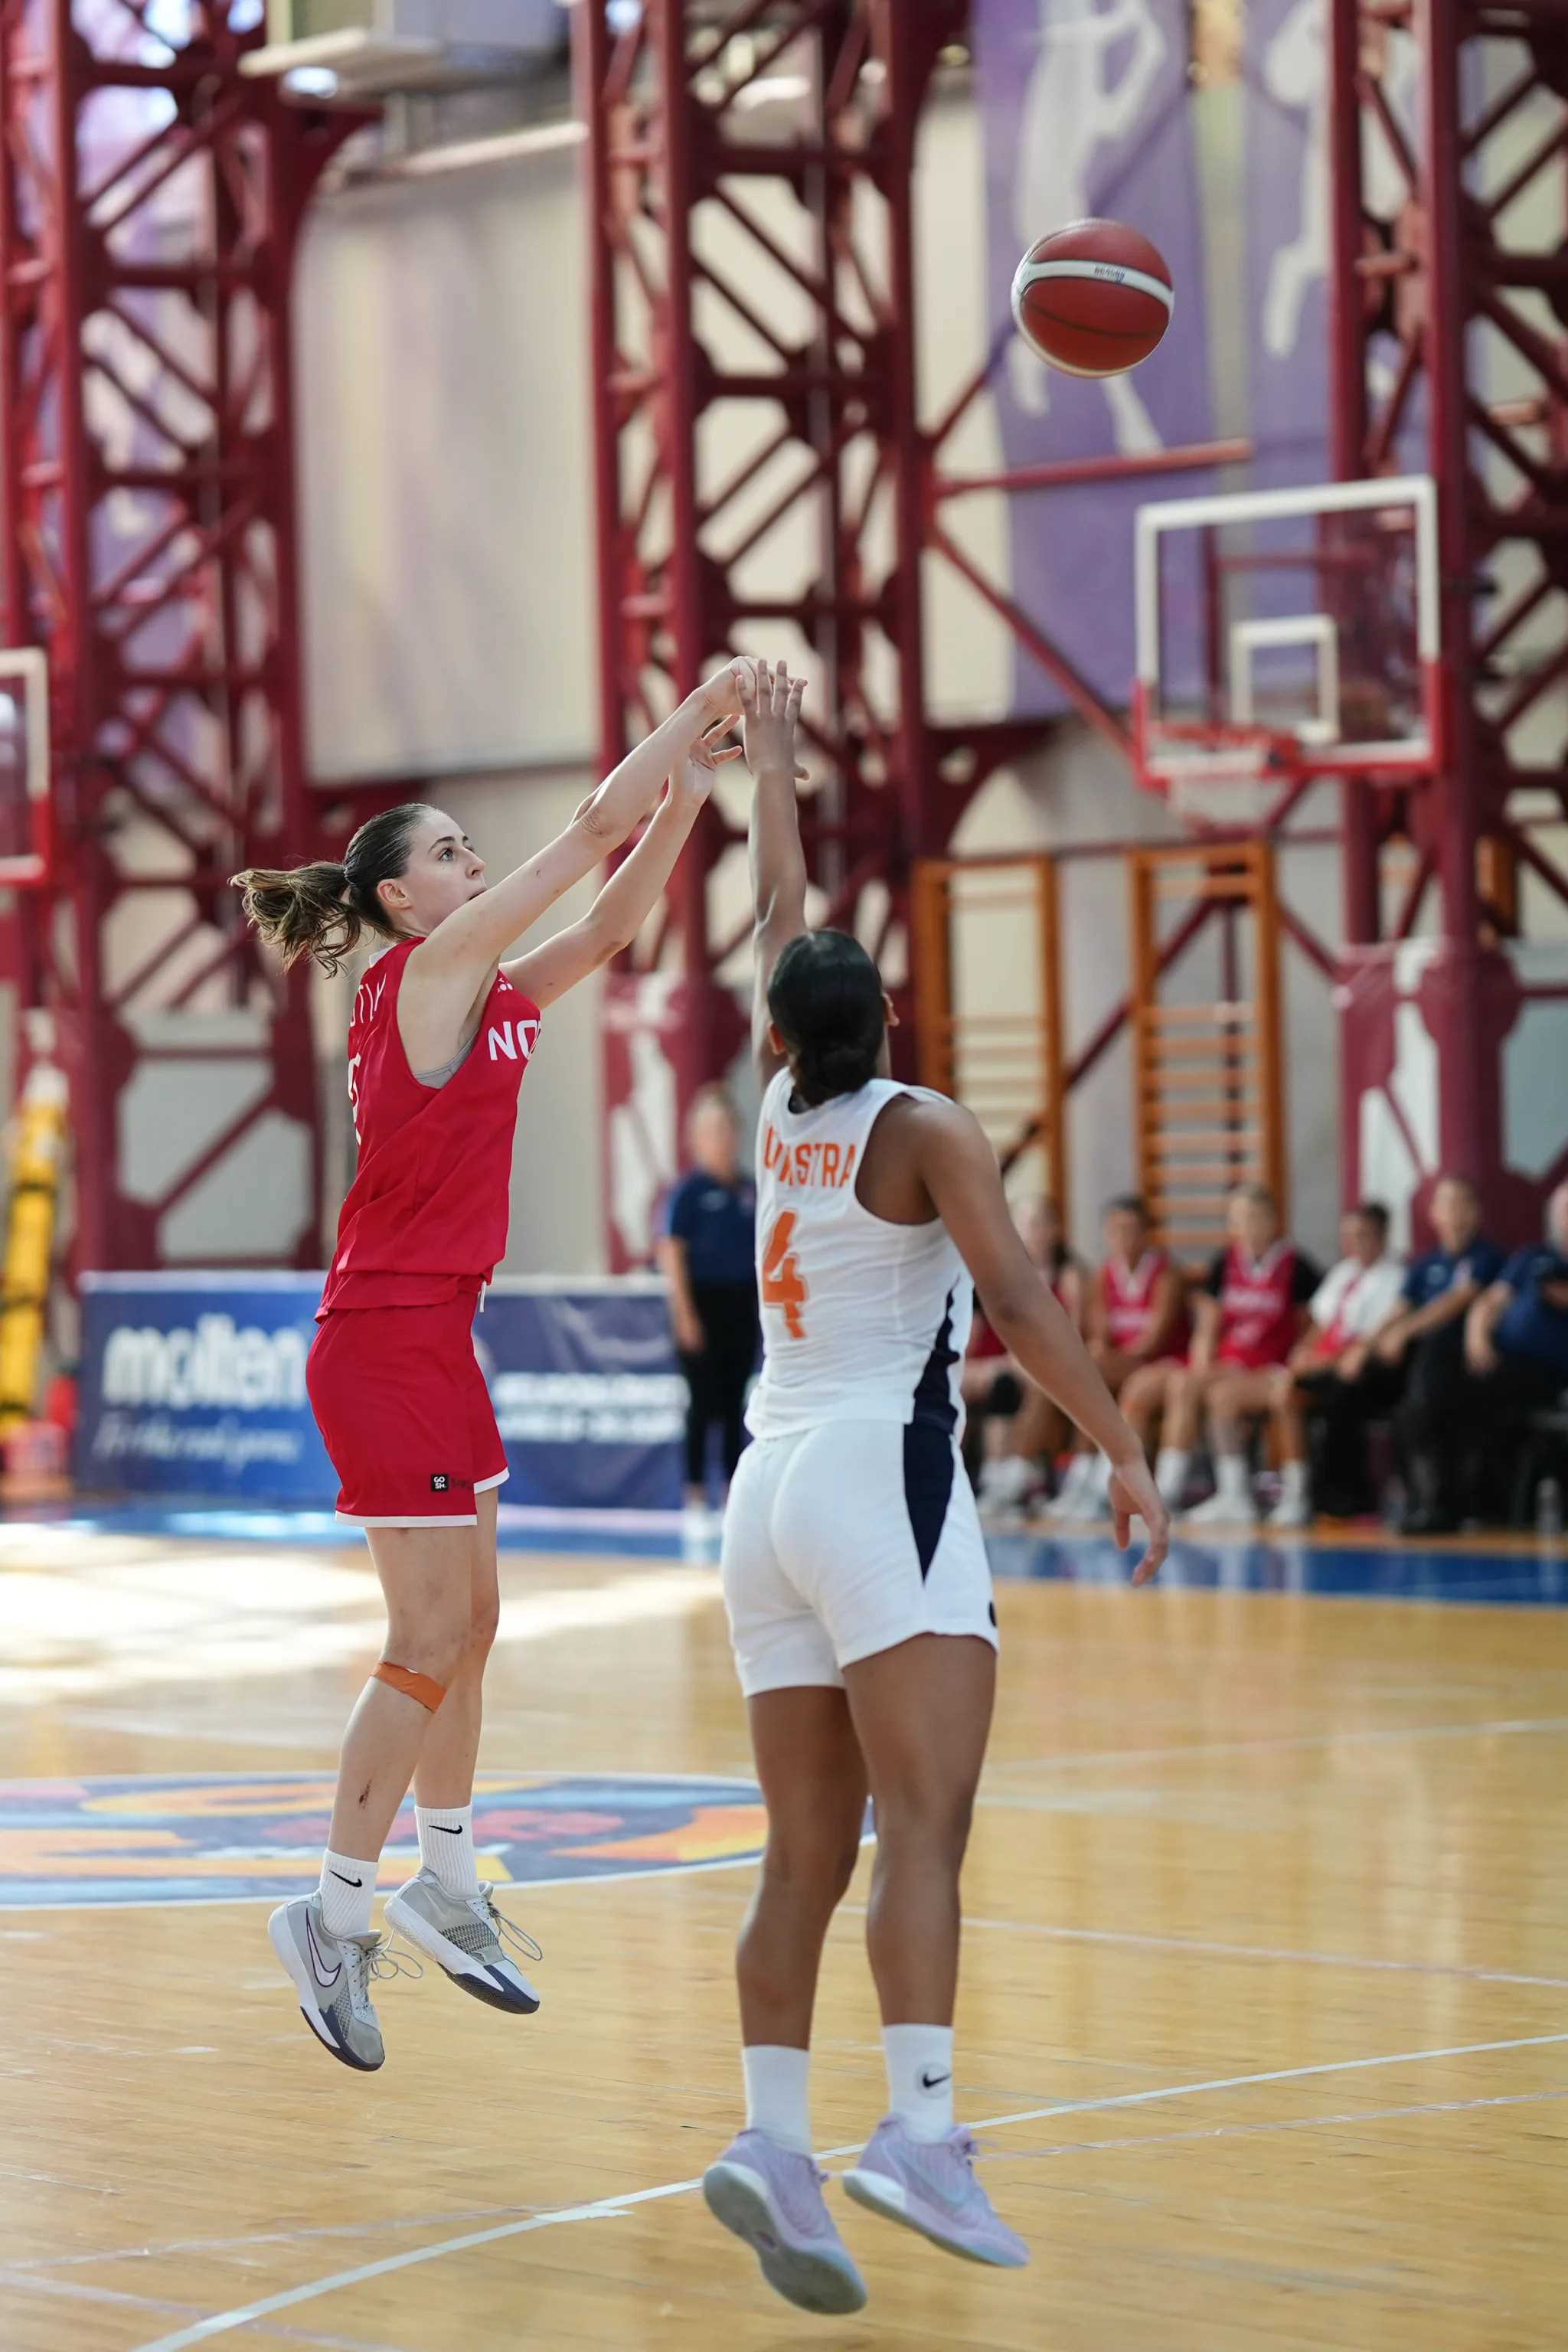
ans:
(347, 1891)
(776, 2094)
(1230, 1477)
(1099, 1477)
(1171, 1471)
(920, 2078)
(1292, 1482)
(446, 1846)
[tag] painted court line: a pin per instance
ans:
(611, 2207)
(100, 2297)
(1083, 1760)
(1210, 1950)
(1286, 2124)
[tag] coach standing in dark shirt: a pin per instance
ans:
(708, 1257)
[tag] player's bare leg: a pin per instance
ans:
(1235, 1396)
(765, 2187)
(1086, 1489)
(1162, 1397)
(1287, 1418)
(443, 1774)
(923, 1714)
(325, 1940)
(444, 1910)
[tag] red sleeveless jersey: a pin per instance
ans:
(426, 1214)
(1259, 1315)
(1127, 1295)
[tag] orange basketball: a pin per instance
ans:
(1093, 299)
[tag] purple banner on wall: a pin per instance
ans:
(1085, 112)
(1288, 188)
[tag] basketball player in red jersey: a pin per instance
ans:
(1251, 1310)
(1137, 1318)
(441, 1033)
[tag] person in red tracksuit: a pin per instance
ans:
(441, 1033)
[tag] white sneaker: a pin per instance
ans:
(1223, 1510)
(1077, 1500)
(1291, 1511)
(1004, 1485)
(467, 1936)
(701, 1531)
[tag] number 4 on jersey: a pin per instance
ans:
(783, 1283)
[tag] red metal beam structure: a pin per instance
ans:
(777, 498)
(755, 160)
(1436, 317)
(149, 201)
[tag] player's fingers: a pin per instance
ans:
(796, 696)
(802, 775)
(1153, 1559)
(1122, 1519)
(746, 685)
(725, 754)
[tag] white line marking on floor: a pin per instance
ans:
(1202, 1946)
(67, 2290)
(1085, 1760)
(612, 2207)
(1356, 2116)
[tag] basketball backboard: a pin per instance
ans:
(352, 52)
(24, 766)
(1303, 624)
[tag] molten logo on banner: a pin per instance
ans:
(216, 1837)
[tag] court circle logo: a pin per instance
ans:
(216, 1837)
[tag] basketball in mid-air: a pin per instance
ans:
(1092, 299)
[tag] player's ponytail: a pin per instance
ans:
(826, 1000)
(323, 909)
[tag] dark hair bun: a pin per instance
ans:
(826, 998)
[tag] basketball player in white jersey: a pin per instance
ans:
(853, 1570)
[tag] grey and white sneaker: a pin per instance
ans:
(466, 1938)
(331, 1975)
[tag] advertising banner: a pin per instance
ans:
(194, 1385)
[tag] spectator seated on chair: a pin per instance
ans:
(1249, 1313)
(1419, 1353)
(1516, 1335)
(1327, 1377)
(1137, 1319)
(1022, 1426)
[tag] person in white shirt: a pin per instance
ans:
(853, 1570)
(1324, 1382)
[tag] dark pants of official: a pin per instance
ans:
(1338, 1416)
(1454, 1424)
(716, 1377)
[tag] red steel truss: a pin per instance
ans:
(1445, 359)
(801, 495)
(150, 200)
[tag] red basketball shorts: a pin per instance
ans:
(405, 1413)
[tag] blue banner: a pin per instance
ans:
(194, 1385)
(588, 1396)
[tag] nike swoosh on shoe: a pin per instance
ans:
(325, 1982)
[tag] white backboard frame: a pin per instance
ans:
(1322, 752)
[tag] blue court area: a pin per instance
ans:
(1344, 1563)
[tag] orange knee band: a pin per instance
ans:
(423, 1687)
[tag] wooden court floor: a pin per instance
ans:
(1264, 2024)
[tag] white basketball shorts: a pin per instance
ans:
(845, 1540)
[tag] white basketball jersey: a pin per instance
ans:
(862, 1321)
